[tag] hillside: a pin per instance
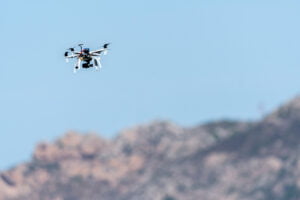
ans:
(228, 160)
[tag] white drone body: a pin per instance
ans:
(85, 57)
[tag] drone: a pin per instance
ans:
(85, 57)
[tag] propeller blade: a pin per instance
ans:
(106, 45)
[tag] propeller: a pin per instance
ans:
(69, 49)
(66, 54)
(106, 45)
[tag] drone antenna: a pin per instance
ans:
(80, 46)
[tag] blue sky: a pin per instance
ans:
(184, 61)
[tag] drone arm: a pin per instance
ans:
(71, 56)
(99, 51)
(104, 49)
(95, 54)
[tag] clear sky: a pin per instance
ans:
(186, 61)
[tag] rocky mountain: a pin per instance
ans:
(226, 160)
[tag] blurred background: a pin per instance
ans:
(185, 61)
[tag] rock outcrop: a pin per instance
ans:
(226, 160)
